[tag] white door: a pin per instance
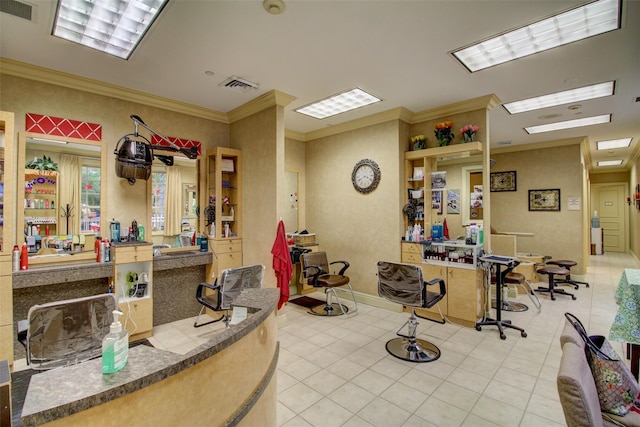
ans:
(609, 201)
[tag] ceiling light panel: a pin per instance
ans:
(614, 143)
(560, 98)
(586, 21)
(340, 103)
(586, 121)
(610, 163)
(111, 26)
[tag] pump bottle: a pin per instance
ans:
(115, 347)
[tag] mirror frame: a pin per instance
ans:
(20, 182)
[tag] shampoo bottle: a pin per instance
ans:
(115, 347)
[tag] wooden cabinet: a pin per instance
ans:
(224, 192)
(464, 300)
(133, 284)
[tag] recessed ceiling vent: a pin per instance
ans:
(238, 84)
(16, 8)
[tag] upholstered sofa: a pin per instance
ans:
(577, 389)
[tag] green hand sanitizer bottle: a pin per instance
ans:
(115, 347)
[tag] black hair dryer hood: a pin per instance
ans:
(134, 156)
(133, 159)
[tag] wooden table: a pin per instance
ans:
(626, 326)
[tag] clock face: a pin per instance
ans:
(365, 176)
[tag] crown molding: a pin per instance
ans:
(485, 102)
(400, 113)
(264, 101)
(298, 136)
(45, 75)
(540, 145)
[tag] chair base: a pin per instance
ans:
(500, 324)
(553, 291)
(197, 325)
(570, 282)
(331, 310)
(510, 306)
(413, 350)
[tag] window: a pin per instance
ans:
(158, 193)
(90, 198)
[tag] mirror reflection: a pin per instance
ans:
(174, 202)
(62, 197)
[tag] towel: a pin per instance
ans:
(282, 264)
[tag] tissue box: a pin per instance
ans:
(417, 194)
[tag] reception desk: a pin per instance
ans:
(229, 380)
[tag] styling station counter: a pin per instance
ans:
(158, 387)
(175, 277)
(456, 263)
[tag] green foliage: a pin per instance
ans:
(44, 164)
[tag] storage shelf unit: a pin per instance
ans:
(451, 253)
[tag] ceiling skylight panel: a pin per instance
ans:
(340, 103)
(579, 23)
(569, 124)
(584, 93)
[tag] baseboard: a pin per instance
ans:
(372, 300)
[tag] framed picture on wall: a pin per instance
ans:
(503, 181)
(544, 200)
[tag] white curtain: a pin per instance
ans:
(69, 187)
(173, 210)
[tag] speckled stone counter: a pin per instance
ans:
(54, 274)
(181, 260)
(162, 387)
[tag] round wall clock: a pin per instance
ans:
(365, 176)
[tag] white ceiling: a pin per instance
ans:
(395, 49)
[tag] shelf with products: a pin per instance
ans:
(452, 253)
(40, 201)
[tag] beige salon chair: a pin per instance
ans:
(315, 269)
(403, 284)
(219, 297)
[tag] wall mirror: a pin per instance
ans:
(174, 204)
(61, 193)
(472, 195)
(290, 210)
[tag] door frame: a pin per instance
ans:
(625, 187)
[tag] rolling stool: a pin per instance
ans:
(551, 270)
(565, 263)
(519, 280)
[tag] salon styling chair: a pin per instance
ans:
(315, 269)
(66, 332)
(567, 264)
(219, 297)
(403, 284)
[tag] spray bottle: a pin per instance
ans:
(115, 347)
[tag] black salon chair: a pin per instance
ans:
(315, 269)
(219, 297)
(403, 284)
(66, 332)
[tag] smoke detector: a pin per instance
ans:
(274, 7)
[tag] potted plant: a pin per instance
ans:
(43, 164)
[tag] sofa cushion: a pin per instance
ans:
(569, 334)
(577, 390)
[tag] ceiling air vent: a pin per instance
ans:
(16, 8)
(238, 84)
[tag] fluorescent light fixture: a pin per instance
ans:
(613, 143)
(340, 103)
(610, 163)
(559, 98)
(576, 24)
(568, 124)
(55, 141)
(113, 27)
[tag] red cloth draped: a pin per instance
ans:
(282, 264)
(445, 229)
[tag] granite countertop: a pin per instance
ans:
(61, 392)
(181, 259)
(54, 274)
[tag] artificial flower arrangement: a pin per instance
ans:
(419, 142)
(443, 133)
(468, 133)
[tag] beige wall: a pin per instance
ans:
(558, 234)
(294, 154)
(124, 202)
(634, 217)
(359, 228)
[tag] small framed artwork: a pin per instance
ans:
(544, 200)
(503, 181)
(436, 201)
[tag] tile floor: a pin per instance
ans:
(336, 371)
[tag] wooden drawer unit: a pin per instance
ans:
(141, 314)
(411, 253)
(126, 254)
(464, 289)
(227, 253)
(227, 246)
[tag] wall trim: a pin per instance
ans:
(264, 101)
(45, 75)
(539, 145)
(481, 103)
